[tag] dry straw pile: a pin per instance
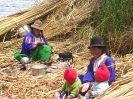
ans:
(59, 17)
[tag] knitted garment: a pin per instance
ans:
(102, 74)
(72, 89)
(70, 75)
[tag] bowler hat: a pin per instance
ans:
(96, 41)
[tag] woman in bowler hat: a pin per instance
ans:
(100, 56)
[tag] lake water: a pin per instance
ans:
(8, 7)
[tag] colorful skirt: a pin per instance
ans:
(41, 53)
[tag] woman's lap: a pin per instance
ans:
(41, 53)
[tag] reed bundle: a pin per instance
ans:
(57, 15)
(66, 22)
(120, 88)
(29, 15)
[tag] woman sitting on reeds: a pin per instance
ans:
(100, 56)
(35, 45)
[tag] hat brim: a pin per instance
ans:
(33, 26)
(95, 45)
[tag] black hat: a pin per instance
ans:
(96, 41)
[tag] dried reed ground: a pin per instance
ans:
(22, 85)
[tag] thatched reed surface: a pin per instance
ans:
(16, 84)
(29, 15)
(21, 84)
(62, 23)
(59, 17)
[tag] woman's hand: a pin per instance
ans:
(85, 86)
(40, 43)
(90, 91)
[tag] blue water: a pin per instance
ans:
(8, 7)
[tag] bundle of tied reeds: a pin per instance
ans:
(59, 16)
(29, 15)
